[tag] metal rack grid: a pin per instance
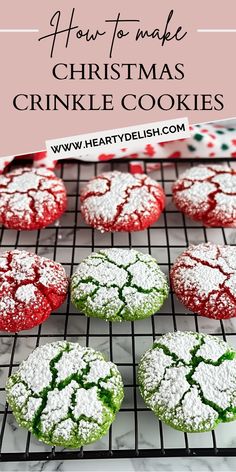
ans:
(136, 432)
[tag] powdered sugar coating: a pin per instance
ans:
(118, 284)
(118, 201)
(26, 293)
(193, 394)
(208, 194)
(31, 198)
(68, 408)
(31, 287)
(180, 345)
(203, 277)
(218, 382)
(212, 349)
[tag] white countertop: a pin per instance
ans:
(198, 464)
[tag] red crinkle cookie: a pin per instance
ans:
(31, 198)
(119, 201)
(204, 280)
(31, 287)
(207, 194)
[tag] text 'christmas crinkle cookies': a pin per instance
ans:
(189, 381)
(119, 201)
(119, 284)
(31, 287)
(31, 198)
(207, 193)
(204, 279)
(65, 394)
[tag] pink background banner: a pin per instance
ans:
(205, 59)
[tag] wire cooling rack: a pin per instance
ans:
(136, 432)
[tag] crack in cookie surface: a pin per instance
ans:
(31, 287)
(116, 201)
(204, 279)
(119, 284)
(189, 381)
(208, 194)
(65, 394)
(31, 198)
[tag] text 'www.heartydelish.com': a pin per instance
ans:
(123, 137)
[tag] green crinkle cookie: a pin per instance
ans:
(189, 381)
(65, 394)
(119, 284)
